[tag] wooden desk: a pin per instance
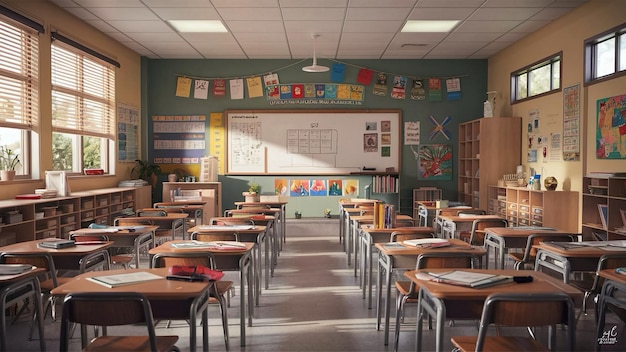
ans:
(256, 235)
(390, 260)
(613, 283)
(444, 301)
(581, 258)
(370, 236)
(347, 207)
(282, 206)
(14, 289)
(125, 238)
(500, 239)
(193, 208)
(190, 298)
(64, 258)
(454, 224)
(439, 212)
(175, 222)
(242, 257)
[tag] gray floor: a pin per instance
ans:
(313, 304)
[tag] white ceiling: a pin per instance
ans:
(348, 29)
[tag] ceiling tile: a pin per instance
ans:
(529, 26)
(313, 14)
(151, 37)
(102, 26)
(367, 26)
(178, 3)
(268, 27)
(109, 3)
(440, 13)
(245, 3)
(450, 3)
(122, 14)
(377, 14)
(551, 13)
(141, 26)
(249, 14)
(505, 14)
(312, 27)
(378, 3)
(517, 3)
(486, 26)
(316, 3)
(187, 13)
(82, 13)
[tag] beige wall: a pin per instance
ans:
(566, 35)
(128, 89)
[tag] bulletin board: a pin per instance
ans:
(266, 142)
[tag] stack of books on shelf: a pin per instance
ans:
(385, 184)
(132, 183)
(46, 193)
(384, 216)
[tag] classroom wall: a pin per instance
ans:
(127, 87)
(161, 77)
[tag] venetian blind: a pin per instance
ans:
(19, 82)
(83, 93)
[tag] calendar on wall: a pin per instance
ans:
(127, 133)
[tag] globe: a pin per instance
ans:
(550, 183)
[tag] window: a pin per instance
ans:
(19, 85)
(539, 78)
(83, 108)
(605, 55)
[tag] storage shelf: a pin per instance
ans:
(613, 196)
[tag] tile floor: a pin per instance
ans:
(313, 304)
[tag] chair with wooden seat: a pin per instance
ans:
(407, 290)
(404, 235)
(220, 289)
(607, 261)
(116, 259)
(526, 259)
(112, 309)
(611, 300)
(521, 310)
(476, 236)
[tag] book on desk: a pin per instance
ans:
(56, 243)
(117, 280)
(469, 279)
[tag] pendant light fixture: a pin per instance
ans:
(315, 67)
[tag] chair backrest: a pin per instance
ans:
(528, 309)
(553, 265)
(163, 260)
(477, 235)
(151, 212)
(106, 309)
(215, 236)
(432, 260)
(607, 261)
(612, 298)
(403, 235)
(471, 212)
(80, 237)
(422, 213)
(232, 220)
(40, 260)
(536, 238)
(99, 260)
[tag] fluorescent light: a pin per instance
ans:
(429, 26)
(198, 26)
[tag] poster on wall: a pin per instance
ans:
(127, 133)
(178, 139)
(611, 128)
(435, 162)
(571, 123)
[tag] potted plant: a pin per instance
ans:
(252, 195)
(298, 214)
(327, 212)
(9, 160)
(146, 171)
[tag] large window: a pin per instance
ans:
(19, 86)
(83, 108)
(605, 55)
(537, 79)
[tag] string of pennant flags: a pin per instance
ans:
(267, 85)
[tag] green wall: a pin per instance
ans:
(159, 83)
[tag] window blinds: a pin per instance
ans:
(83, 93)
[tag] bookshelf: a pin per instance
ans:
(606, 192)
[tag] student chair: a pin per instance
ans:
(526, 259)
(407, 290)
(521, 310)
(422, 213)
(112, 309)
(476, 236)
(220, 288)
(612, 300)
(607, 261)
(117, 259)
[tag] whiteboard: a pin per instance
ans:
(312, 141)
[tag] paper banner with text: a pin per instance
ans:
(219, 88)
(399, 87)
(236, 89)
(201, 89)
(183, 86)
(453, 89)
(434, 89)
(315, 93)
(380, 86)
(255, 89)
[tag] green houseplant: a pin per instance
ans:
(252, 194)
(146, 171)
(9, 160)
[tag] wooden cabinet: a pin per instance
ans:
(488, 148)
(26, 220)
(524, 207)
(608, 195)
(425, 194)
(209, 192)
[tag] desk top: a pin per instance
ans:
(254, 210)
(456, 245)
(582, 251)
(366, 218)
(169, 216)
(155, 289)
(542, 283)
(32, 247)
(468, 217)
(388, 231)
(167, 248)
(9, 279)
(108, 233)
(522, 231)
(261, 203)
(197, 204)
(610, 274)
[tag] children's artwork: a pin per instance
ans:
(611, 128)
(370, 142)
(380, 87)
(351, 188)
(435, 162)
(440, 127)
(318, 188)
(299, 188)
(335, 187)
(280, 186)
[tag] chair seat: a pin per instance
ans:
(131, 343)
(498, 343)
(223, 286)
(404, 287)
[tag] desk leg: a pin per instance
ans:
(388, 273)
(433, 307)
(268, 238)
(370, 274)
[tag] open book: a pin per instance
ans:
(211, 245)
(469, 278)
(124, 279)
(428, 242)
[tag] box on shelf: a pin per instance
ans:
(441, 204)
(12, 217)
(66, 208)
(273, 198)
(7, 238)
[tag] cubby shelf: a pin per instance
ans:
(609, 192)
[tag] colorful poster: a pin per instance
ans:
(399, 87)
(272, 92)
(380, 87)
(183, 86)
(370, 142)
(611, 128)
(271, 79)
(453, 89)
(335, 187)
(351, 188)
(365, 76)
(571, 123)
(418, 92)
(318, 188)
(299, 188)
(297, 91)
(435, 162)
(337, 72)
(331, 91)
(343, 91)
(255, 89)
(434, 89)
(219, 88)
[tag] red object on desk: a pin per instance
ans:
(28, 196)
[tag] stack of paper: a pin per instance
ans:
(428, 242)
(14, 269)
(469, 278)
(46, 193)
(124, 279)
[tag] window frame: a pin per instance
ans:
(590, 50)
(526, 70)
